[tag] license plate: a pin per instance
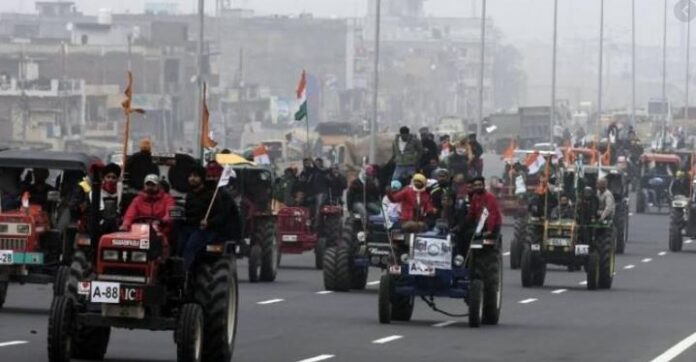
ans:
(582, 249)
(105, 292)
(290, 238)
(559, 242)
(417, 268)
(6, 257)
(536, 247)
(123, 311)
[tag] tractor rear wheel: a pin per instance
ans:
(270, 253)
(533, 268)
(592, 268)
(3, 292)
(488, 266)
(518, 241)
(189, 334)
(216, 291)
(607, 261)
(475, 301)
(676, 224)
(254, 263)
(337, 268)
(384, 299)
(60, 329)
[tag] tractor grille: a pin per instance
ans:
(124, 275)
(13, 244)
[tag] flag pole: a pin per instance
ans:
(210, 206)
(309, 147)
(125, 141)
(201, 151)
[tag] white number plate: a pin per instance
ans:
(395, 269)
(417, 268)
(103, 292)
(536, 247)
(290, 238)
(582, 249)
(559, 242)
(6, 257)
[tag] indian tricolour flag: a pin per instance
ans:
(302, 97)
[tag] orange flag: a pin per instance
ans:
(510, 151)
(126, 104)
(206, 141)
(593, 160)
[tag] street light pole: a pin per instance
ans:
(601, 68)
(375, 93)
(201, 29)
(552, 117)
(483, 68)
(688, 61)
(633, 62)
(664, 74)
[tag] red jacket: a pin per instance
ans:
(478, 203)
(408, 197)
(144, 205)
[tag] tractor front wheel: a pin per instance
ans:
(676, 223)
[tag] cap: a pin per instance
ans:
(152, 179)
(419, 177)
(396, 185)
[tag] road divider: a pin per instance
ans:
(12, 343)
(387, 339)
(676, 350)
(270, 301)
(321, 357)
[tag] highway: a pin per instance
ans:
(648, 312)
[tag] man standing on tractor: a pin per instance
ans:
(109, 207)
(484, 204)
(680, 185)
(416, 204)
(564, 210)
(284, 185)
(363, 193)
(442, 191)
(458, 160)
(152, 202)
(605, 210)
(429, 148)
(38, 191)
(407, 152)
(476, 153)
(338, 185)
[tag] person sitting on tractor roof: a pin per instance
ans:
(564, 210)
(606, 201)
(407, 151)
(680, 185)
(363, 193)
(485, 203)
(197, 230)
(416, 204)
(38, 191)
(152, 202)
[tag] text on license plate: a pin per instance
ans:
(105, 292)
(290, 238)
(6, 257)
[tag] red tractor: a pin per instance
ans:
(37, 234)
(297, 235)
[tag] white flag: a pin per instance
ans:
(227, 173)
(482, 220)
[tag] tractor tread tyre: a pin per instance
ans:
(517, 243)
(475, 301)
(3, 292)
(189, 333)
(401, 305)
(60, 332)
(78, 270)
(384, 299)
(270, 254)
(319, 251)
(217, 292)
(592, 269)
(621, 231)
(337, 268)
(606, 261)
(526, 266)
(254, 263)
(676, 224)
(488, 268)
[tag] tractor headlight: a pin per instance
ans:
(404, 258)
(361, 236)
(23, 228)
(458, 260)
(110, 255)
(138, 256)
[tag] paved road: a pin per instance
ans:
(649, 310)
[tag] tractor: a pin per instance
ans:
(655, 177)
(38, 234)
(618, 185)
(683, 215)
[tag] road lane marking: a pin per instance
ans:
(662, 253)
(12, 343)
(676, 350)
(506, 253)
(630, 214)
(527, 301)
(321, 357)
(559, 291)
(688, 241)
(324, 292)
(584, 282)
(646, 260)
(270, 301)
(629, 266)
(444, 324)
(373, 283)
(387, 339)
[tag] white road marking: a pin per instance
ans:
(373, 283)
(324, 292)
(629, 266)
(662, 253)
(559, 291)
(584, 282)
(321, 357)
(444, 324)
(270, 301)
(688, 241)
(646, 260)
(506, 253)
(12, 343)
(387, 339)
(630, 214)
(527, 301)
(676, 350)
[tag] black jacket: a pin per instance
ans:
(356, 192)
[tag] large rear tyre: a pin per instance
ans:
(517, 243)
(475, 301)
(255, 264)
(533, 268)
(489, 268)
(337, 268)
(216, 291)
(401, 305)
(270, 253)
(189, 334)
(592, 269)
(384, 299)
(676, 224)
(3, 292)
(527, 272)
(607, 261)
(60, 329)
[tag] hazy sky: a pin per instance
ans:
(528, 20)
